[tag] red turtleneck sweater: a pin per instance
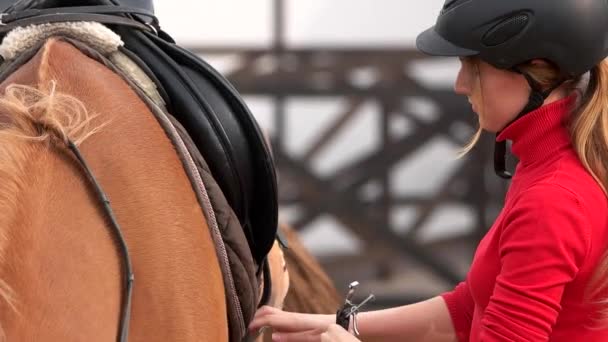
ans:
(528, 277)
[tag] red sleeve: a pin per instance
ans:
(544, 240)
(460, 305)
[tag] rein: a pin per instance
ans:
(125, 313)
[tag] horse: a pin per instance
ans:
(60, 267)
(38, 125)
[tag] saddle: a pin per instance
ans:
(200, 98)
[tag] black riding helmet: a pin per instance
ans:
(571, 34)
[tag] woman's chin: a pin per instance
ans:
(485, 125)
(489, 128)
(474, 109)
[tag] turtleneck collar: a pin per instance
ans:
(541, 132)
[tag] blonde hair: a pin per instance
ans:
(471, 144)
(45, 114)
(589, 134)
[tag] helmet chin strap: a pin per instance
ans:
(535, 100)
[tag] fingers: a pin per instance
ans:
(337, 330)
(336, 333)
(302, 336)
(281, 321)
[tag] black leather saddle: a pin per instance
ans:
(200, 98)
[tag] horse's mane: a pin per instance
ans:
(44, 115)
(311, 288)
(31, 120)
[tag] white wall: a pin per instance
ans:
(311, 22)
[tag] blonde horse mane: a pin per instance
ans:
(41, 115)
(30, 120)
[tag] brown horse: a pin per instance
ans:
(60, 269)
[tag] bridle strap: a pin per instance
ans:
(123, 333)
(110, 15)
(267, 290)
(14, 16)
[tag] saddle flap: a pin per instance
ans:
(222, 128)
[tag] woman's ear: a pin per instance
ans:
(542, 63)
(537, 62)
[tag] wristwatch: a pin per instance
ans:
(348, 312)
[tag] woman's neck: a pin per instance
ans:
(558, 94)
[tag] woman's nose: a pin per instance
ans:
(462, 86)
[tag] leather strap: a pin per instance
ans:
(102, 14)
(10, 17)
(267, 290)
(536, 99)
(70, 17)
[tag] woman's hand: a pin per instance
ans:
(291, 326)
(336, 333)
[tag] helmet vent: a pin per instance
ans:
(449, 4)
(506, 29)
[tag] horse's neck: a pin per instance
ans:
(178, 293)
(58, 256)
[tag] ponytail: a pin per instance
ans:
(589, 134)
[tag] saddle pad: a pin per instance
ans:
(210, 110)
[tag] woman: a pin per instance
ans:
(541, 272)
